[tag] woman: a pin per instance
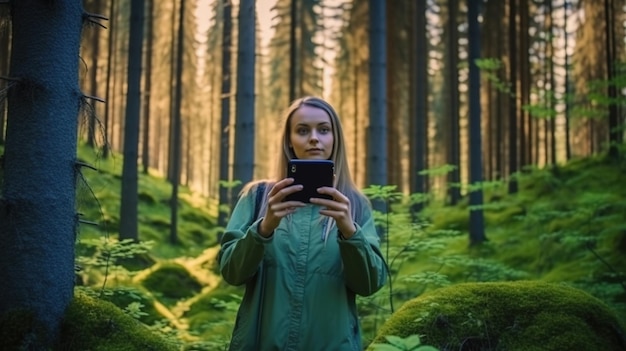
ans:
(300, 290)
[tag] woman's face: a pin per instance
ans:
(311, 134)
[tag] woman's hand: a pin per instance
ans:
(277, 208)
(338, 208)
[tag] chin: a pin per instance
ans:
(315, 157)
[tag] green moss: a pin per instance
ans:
(197, 217)
(520, 315)
(215, 301)
(137, 262)
(146, 198)
(451, 218)
(173, 282)
(505, 212)
(96, 325)
(212, 316)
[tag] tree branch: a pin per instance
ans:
(93, 18)
(87, 222)
(94, 98)
(84, 164)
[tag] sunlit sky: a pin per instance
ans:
(265, 15)
(263, 11)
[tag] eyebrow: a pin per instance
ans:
(306, 124)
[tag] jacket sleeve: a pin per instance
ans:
(365, 269)
(242, 247)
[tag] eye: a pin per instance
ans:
(324, 130)
(302, 131)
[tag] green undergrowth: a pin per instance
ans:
(565, 225)
(98, 202)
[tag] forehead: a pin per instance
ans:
(310, 115)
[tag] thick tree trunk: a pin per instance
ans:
(37, 208)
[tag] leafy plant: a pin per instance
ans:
(134, 309)
(396, 343)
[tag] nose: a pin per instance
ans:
(314, 138)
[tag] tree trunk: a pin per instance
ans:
(5, 42)
(525, 145)
(377, 145)
(38, 221)
(145, 153)
(129, 201)
(244, 128)
(177, 125)
(224, 193)
(513, 120)
(294, 92)
(172, 109)
(110, 79)
(454, 177)
(552, 96)
(615, 130)
(419, 118)
(95, 40)
(566, 14)
(477, 225)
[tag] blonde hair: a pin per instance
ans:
(343, 180)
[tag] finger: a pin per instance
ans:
(285, 206)
(334, 193)
(340, 209)
(280, 196)
(335, 203)
(280, 185)
(338, 216)
(284, 212)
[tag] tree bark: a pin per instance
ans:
(38, 221)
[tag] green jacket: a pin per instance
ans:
(300, 291)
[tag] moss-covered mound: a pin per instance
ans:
(517, 316)
(97, 325)
(214, 311)
(173, 282)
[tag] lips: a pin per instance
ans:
(314, 150)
